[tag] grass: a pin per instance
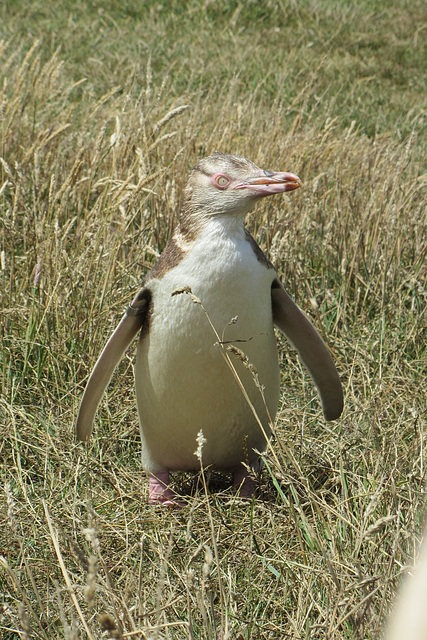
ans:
(96, 138)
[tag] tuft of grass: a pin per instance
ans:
(96, 139)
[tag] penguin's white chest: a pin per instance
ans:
(183, 381)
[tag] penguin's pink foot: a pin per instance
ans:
(244, 483)
(159, 491)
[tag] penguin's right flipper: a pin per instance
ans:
(134, 319)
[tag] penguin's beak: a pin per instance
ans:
(271, 182)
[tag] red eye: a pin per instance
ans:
(222, 181)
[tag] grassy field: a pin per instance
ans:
(104, 107)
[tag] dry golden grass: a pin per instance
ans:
(90, 191)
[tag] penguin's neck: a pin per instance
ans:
(211, 231)
(196, 221)
(219, 254)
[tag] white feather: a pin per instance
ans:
(183, 384)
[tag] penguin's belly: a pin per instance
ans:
(184, 384)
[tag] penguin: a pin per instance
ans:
(207, 368)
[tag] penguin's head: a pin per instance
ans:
(224, 184)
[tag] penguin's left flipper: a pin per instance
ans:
(289, 318)
(134, 319)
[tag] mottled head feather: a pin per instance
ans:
(203, 199)
(219, 161)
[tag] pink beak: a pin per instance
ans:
(271, 182)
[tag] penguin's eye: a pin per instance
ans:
(222, 181)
